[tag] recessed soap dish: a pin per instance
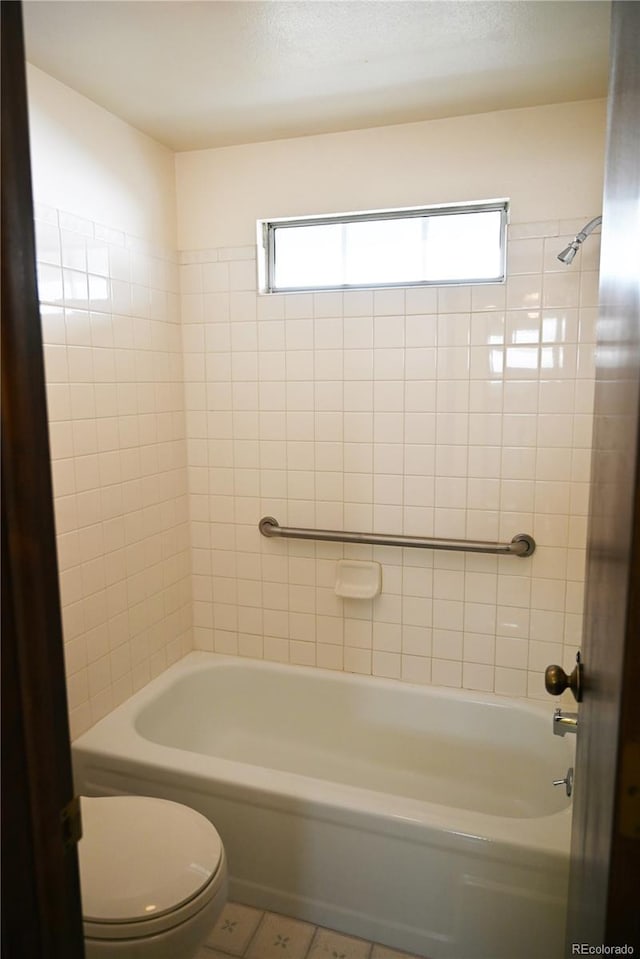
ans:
(356, 579)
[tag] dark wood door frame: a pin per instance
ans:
(41, 915)
(604, 907)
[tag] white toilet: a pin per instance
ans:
(153, 876)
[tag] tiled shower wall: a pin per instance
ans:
(454, 411)
(111, 329)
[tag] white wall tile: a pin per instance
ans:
(109, 449)
(525, 255)
(446, 673)
(420, 409)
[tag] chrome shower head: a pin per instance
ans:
(569, 252)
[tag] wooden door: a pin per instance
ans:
(604, 903)
(41, 915)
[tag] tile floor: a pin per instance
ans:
(242, 931)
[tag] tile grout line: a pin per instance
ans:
(336, 932)
(255, 932)
(311, 942)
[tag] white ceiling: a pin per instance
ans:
(212, 73)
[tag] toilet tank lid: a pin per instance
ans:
(141, 857)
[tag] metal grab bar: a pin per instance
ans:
(521, 545)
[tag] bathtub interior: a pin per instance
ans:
(467, 753)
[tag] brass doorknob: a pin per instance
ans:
(556, 680)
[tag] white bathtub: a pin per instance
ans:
(418, 817)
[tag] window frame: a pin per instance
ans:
(267, 228)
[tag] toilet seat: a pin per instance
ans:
(144, 928)
(146, 866)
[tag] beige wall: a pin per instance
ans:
(108, 286)
(88, 162)
(549, 160)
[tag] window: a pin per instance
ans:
(409, 247)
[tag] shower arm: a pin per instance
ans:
(588, 229)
